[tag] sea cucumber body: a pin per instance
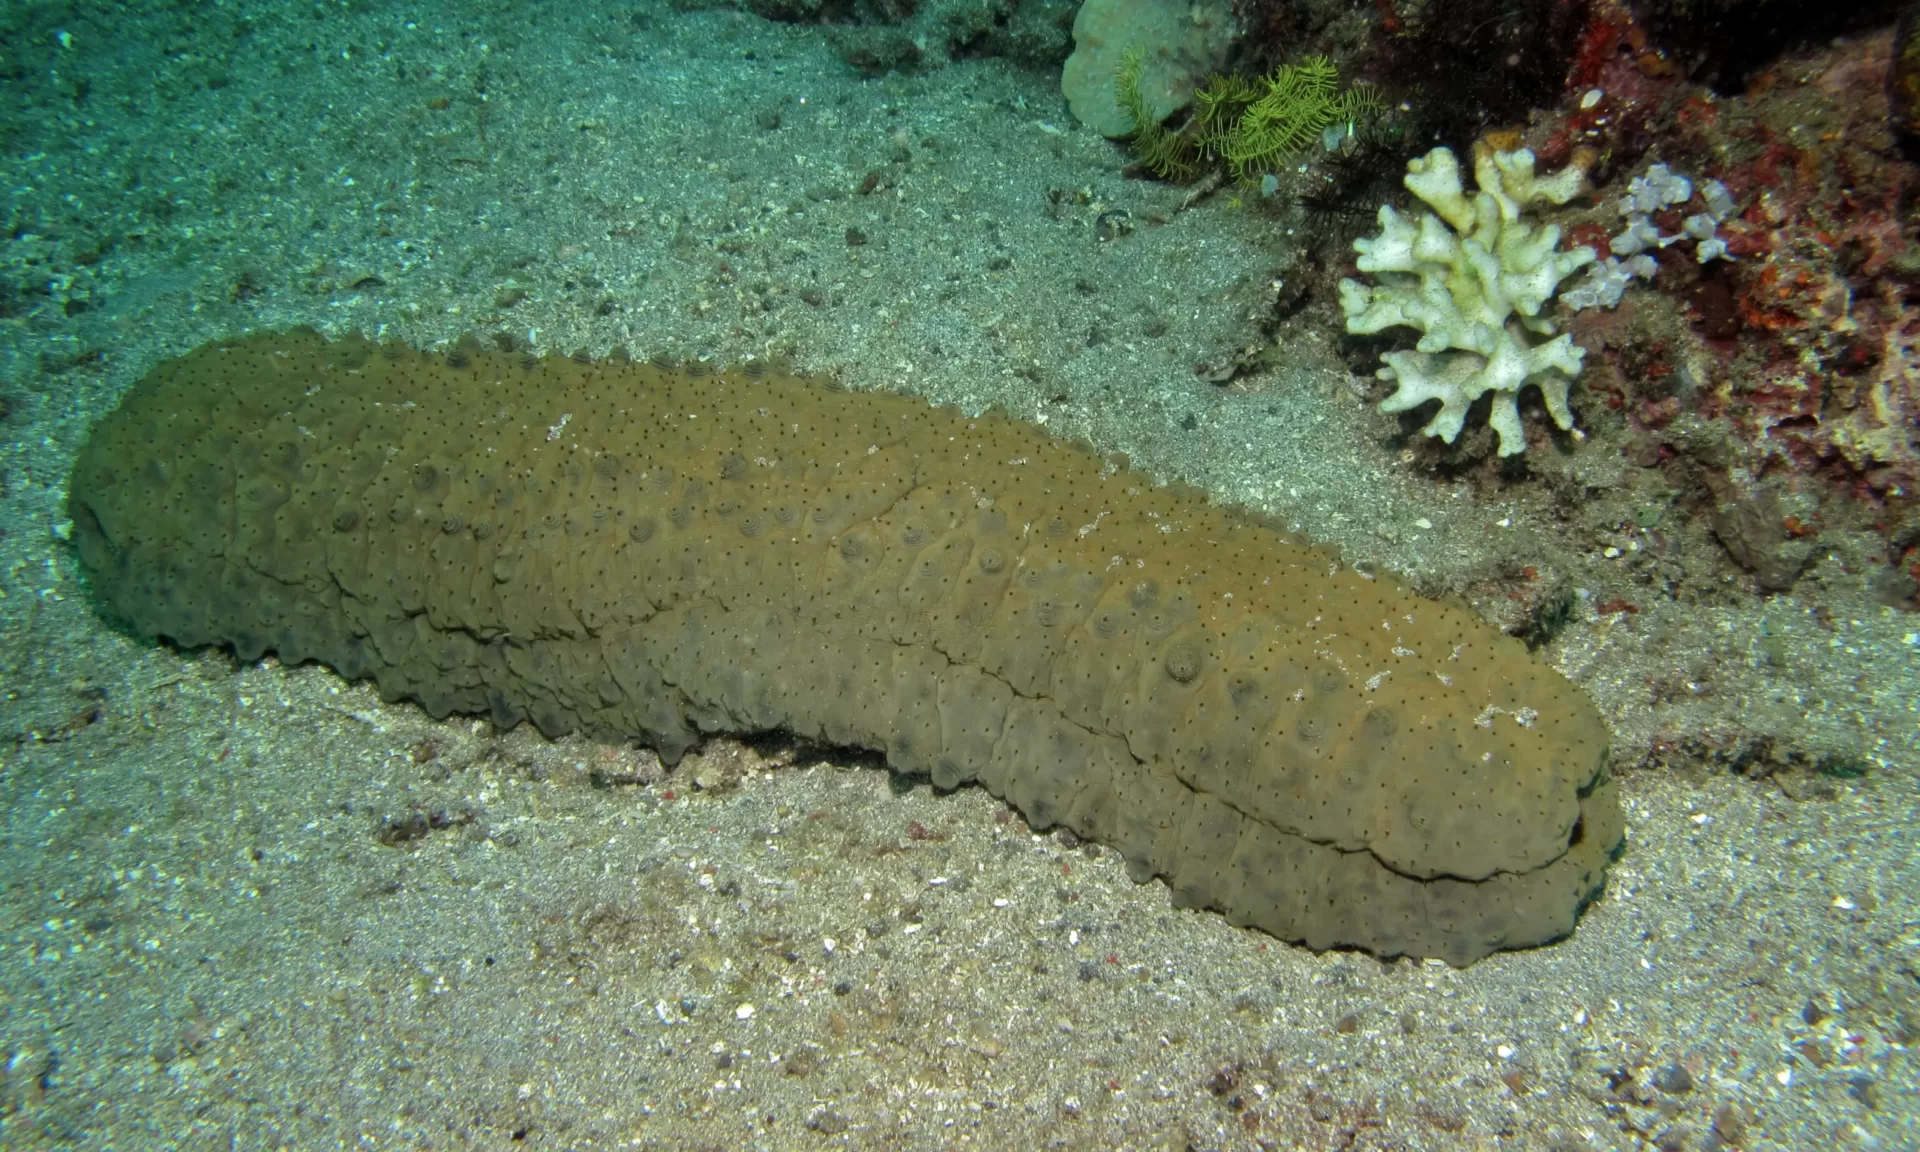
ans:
(646, 552)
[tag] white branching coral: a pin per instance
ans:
(1475, 282)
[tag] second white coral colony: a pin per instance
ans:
(1659, 188)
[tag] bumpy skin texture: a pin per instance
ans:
(649, 553)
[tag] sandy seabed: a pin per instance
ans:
(255, 907)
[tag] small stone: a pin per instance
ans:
(1863, 1088)
(827, 1123)
(1224, 1080)
(1675, 1079)
(1730, 1124)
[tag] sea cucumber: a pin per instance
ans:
(646, 552)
